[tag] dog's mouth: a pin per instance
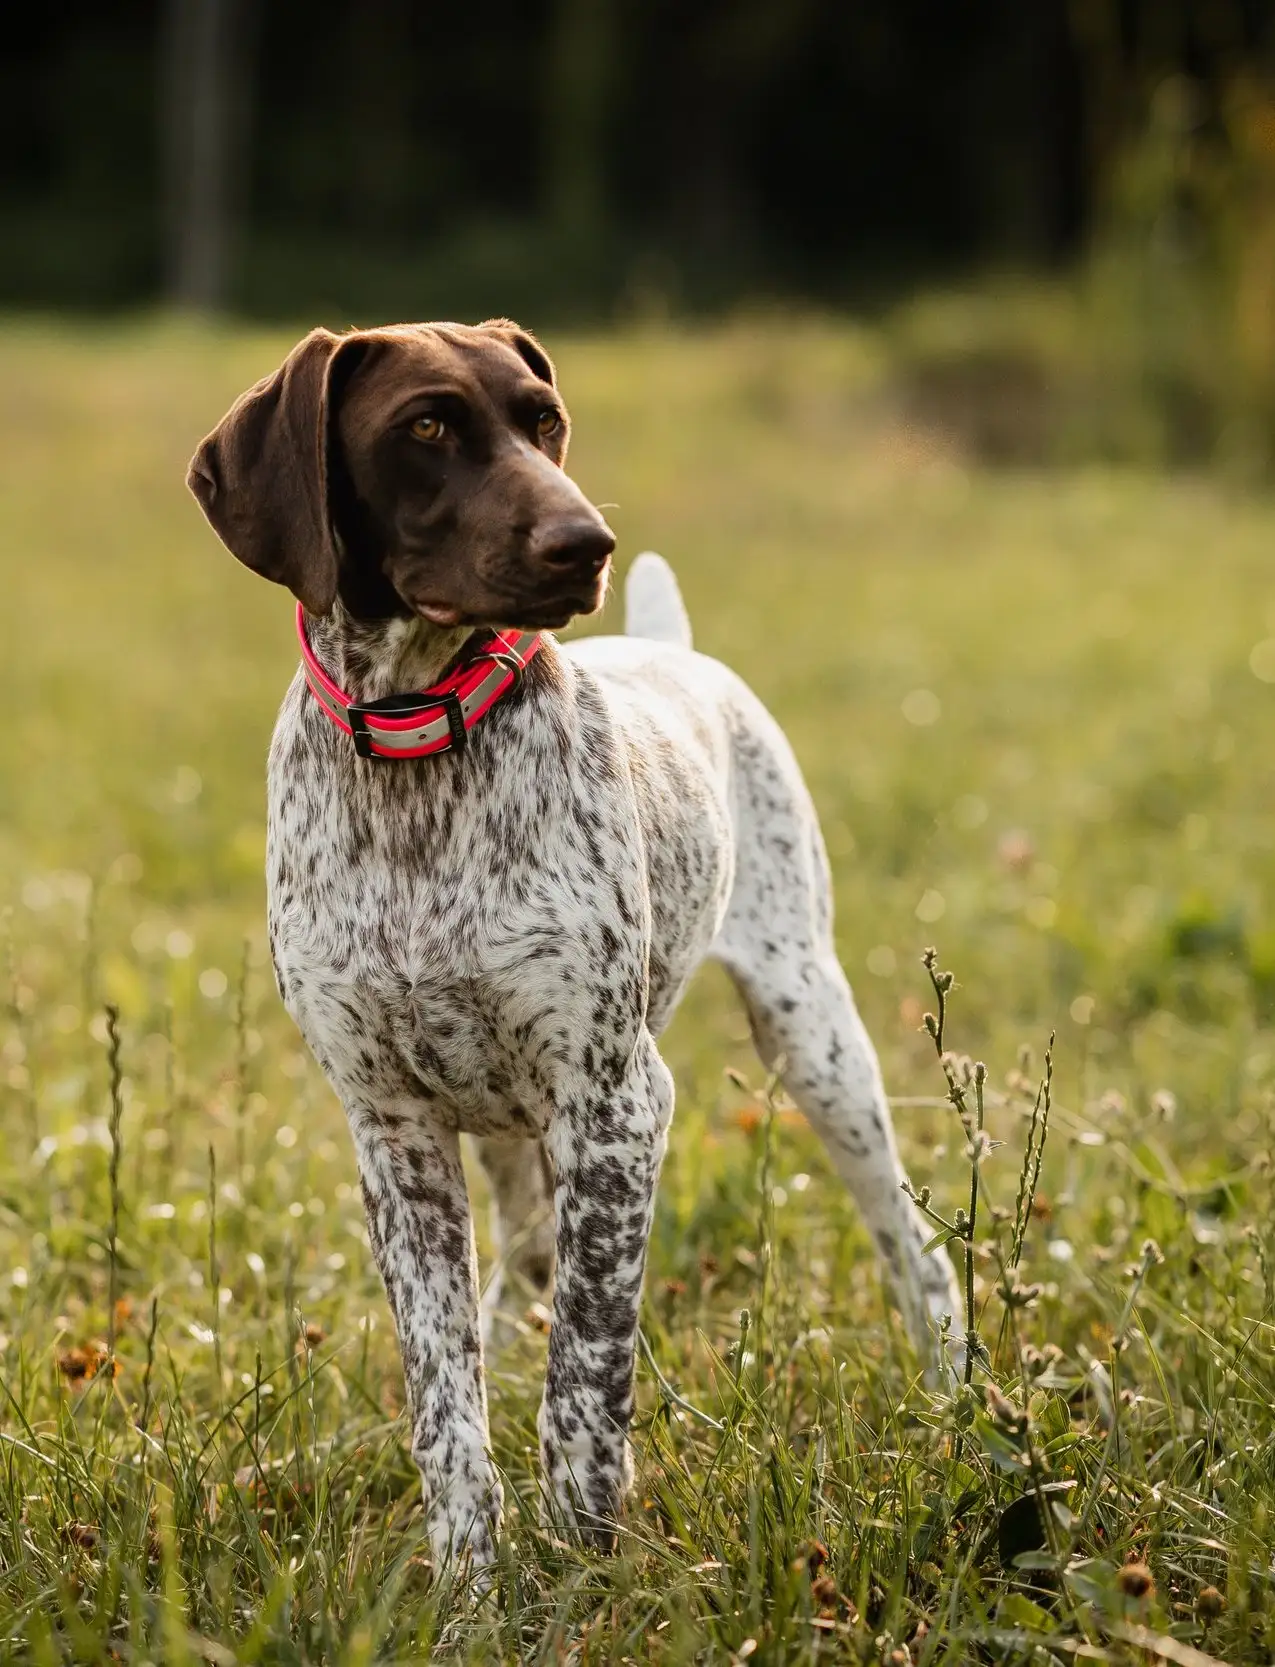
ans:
(439, 613)
(541, 610)
(554, 618)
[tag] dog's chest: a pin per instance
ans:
(482, 1042)
(486, 932)
(475, 954)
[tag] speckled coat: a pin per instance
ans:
(490, 943)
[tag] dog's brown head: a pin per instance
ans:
(416, 469)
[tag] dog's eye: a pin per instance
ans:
(548, 422)
(431, 429)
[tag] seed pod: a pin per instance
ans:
(1135, 1580)
(1209, 1603)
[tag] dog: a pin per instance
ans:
(494, 863)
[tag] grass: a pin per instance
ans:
(1034, 710)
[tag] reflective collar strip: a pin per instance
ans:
(430, 720)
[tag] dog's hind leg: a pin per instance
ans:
(777, 944)
(522, 1228)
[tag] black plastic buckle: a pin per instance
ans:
(400, 706)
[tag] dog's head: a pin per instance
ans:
(416, 469)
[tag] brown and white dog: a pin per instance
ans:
(488, 893)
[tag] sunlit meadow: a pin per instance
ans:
(1035, 710)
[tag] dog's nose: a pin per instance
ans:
(577, 546)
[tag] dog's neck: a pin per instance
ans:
(369, 659)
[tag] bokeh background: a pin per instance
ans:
(604, 160)
(935, 347)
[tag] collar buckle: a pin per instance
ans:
(403, 706)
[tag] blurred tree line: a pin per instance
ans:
(388, 157)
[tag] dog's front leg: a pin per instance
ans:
(419, 1225)
(606, 1144)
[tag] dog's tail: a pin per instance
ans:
(653, 605)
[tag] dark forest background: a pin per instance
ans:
(583, 157)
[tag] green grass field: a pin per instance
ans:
(1036, 713)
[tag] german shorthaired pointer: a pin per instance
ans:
(490, 940)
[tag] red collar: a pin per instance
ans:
(437, 719)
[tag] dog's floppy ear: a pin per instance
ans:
(262, 475)
(525, 345)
